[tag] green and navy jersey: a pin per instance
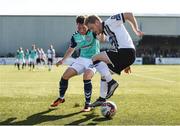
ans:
(21, 54)
(88, 44)
(17, 54)
(27, 55)
(33, 54)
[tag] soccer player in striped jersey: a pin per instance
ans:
(121, 56)
(51, 56)
(86, 41)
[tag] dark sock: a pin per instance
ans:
(63, 85)
(18, 65)
(87, 90)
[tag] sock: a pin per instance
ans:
(30, 65)
(63, 85)
(50, 67)
(109, 84)
(103, 69)
(23, 65)
(103, 88)
(87, 91)
(18, 65)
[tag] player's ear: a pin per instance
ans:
(97, 23)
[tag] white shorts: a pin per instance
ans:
(27, 61)
(21, 61)
(81, 64)
(33, 60)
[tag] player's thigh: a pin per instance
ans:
(88, 74)
(70, 72)
(78, 67)
(101, 57)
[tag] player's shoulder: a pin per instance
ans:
(75, 33)
(89, 32)
(115, 19)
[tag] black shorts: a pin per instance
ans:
(38, 60)
(120, 59)
(50, 61)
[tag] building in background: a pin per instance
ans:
(160, 31)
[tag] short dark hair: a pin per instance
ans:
(80, 19)
(91, 19)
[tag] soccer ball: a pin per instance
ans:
(108, 109)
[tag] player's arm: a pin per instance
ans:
(68, 53)
(132, 21)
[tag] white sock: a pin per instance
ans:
(103, 69)
(49, 66)
(103, 88)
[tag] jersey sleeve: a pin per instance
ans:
(73, 44)
(117, 19)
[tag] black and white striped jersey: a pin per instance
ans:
(116, 33)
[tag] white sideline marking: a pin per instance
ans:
(23, 82)
(154, 78)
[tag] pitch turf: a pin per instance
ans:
(150, 95)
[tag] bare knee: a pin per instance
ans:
(101, 57)
(88, 74)
(69, 73)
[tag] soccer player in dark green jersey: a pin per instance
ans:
(87, 42)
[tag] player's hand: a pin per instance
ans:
(60, 62)
(139, 33)
(127, 70)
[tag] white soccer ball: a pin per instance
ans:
(108, 109)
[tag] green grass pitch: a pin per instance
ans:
(148, 96)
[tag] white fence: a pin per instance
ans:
(139, 61)
(167, 61)
(10, 61)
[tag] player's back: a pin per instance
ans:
(117, 32)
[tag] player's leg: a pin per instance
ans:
(100, 61)
(88, 74)
(23, 63)
(73, 70)
(49, 63)
(18, 64)
(63, 85)
(103, 93)
(33, 63)
(30, 64)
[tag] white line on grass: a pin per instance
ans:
(23, 82)
(154, 78)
